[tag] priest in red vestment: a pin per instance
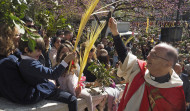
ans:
(151, 85)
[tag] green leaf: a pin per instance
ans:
(102, 74)
(14, 17)
(32, 30)
(31, 44)
(24, 37)
(3, 2)
(35, 36)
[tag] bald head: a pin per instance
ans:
(171, 52)
(178, 68)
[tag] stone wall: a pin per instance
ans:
(98, 98)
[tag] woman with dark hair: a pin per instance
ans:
(104, 58)
(44, 58)
(91, 58)
(60, 52)
(56, 42)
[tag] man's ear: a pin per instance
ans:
(170, 64)
(26, 50)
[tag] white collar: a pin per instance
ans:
(173, 82)
(27, 57)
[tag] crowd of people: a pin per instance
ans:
(30, 75)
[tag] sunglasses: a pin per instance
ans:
(31, 26)
(92, 50)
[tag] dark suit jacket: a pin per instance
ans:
(89, 76)
(44, 58)
(186, 86)
(12, 86)
(37, 75)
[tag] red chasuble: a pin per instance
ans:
(154, 99)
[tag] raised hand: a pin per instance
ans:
(113, 26)
(70, 57)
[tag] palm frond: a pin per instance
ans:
(83, 22)
(147, 25)
(93, 37)
(107, 6)
(128, 40)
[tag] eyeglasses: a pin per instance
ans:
(154, 56)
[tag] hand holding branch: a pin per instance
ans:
(70, 57)
(113, 26)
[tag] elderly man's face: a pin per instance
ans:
(157, 60)
(178, 69)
